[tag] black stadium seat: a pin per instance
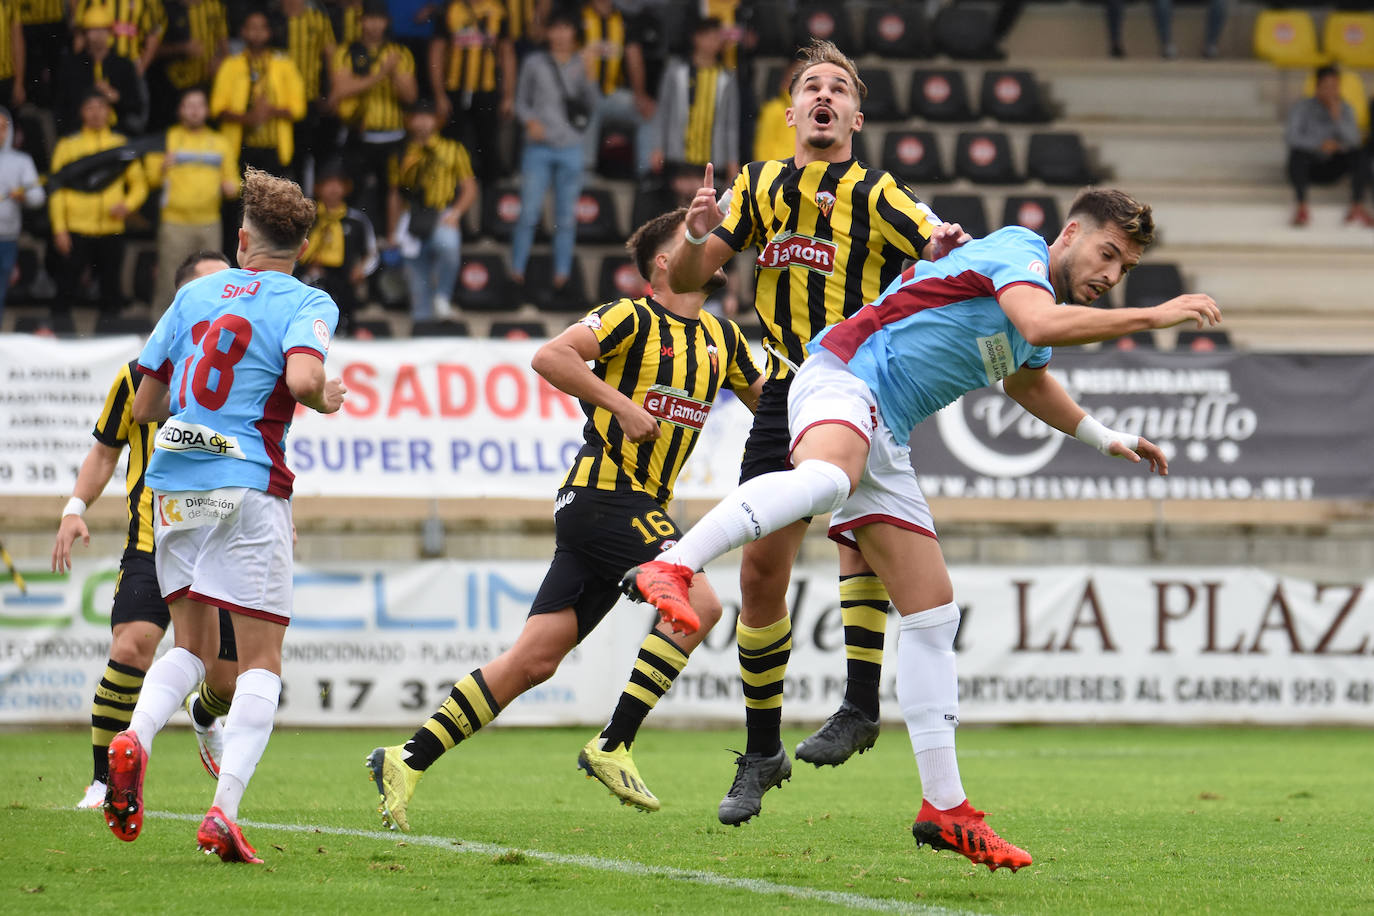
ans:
(1197, 341)
(897, 30)
(1039, 213)
(539, 285)
(965, 209)
(596, 217)
(913, 156)
(966, 32)
(939, 95)
(619, 279)
(1139, 340)
(828, 20)
(501, 211)
(109, 325)
(483, 284)
(1058, 158)
(771, 22)
(984, 157)
(881, 102)
(1151, 283)
(1012, 96)
(517, 330)
(434, 327)
(58, 323)
(371, 329)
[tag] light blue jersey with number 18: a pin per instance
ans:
(221, 349)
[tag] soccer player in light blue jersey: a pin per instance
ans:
(226, 367)
(987, 312)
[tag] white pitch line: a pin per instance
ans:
(751, 885)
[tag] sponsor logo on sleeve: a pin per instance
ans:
(997, 356)
(591, 321)
(1036, 267)
(672, 405)
(785, 250)
(180, 436)
(322, 333)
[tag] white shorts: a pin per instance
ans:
(825, 391)
(241, 563)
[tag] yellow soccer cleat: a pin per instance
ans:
(617, 771)
(395, 784)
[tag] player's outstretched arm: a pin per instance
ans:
(563, 364)
(1043, 397)
(692, 264)
(1045, 323)
(96, 470)
(306, 381)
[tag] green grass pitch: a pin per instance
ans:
(1119, 819)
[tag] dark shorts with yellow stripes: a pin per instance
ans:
(599, 536)
(138, 597)
(765, 450)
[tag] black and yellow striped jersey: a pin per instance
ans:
(604, 42)
(134, 22)
(347, 19)
(379, 107)
(202, 21)
(727, 11)
(40, 12)
(521, 16)
(9, 23)
(674, 367)
(472, 29)
(437, 167)
(116, 428)
(831, 236)
(701, 114)
(305, 40)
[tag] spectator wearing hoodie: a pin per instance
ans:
(19, 187)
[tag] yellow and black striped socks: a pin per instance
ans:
(113, 707)
(469, 706)
(763, 655)
(208, 706)
(659, 663)
(863, 608)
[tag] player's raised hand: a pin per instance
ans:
(705, 213)
(71, 528)
(637, 423)
(1197, 307)
(334, 392)
(944, 238)
(1144, 450)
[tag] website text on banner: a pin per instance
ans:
(377, 645)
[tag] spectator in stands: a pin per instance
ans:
(258, 97)
(371, 82)
(19, 187)
(552, 101)
(615, 60)
(432, 186)
(774, 138)
(1324, 146)
(45, 38)
(96, 66)
(525, 23)
(194, 44)
(138, 27)
(472, 73)
(342, 249)
(88, 226)
(309, 41)
(13, 82)
(197, 169)
(698, 107)
(347, 18)
(1163, 11)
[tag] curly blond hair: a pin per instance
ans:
(820, 51)
(277, 209)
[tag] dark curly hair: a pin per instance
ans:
(1104, 206)
(278, 210)
(649, 239)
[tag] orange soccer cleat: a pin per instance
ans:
(222, 837)
(124, 795)
(963, 830)
(664, 585)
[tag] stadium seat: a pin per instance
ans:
(1138, 340)
(881, 102)
(1012, 96)
(1039, 213)
(619, 279)
(966, 33)
(828, 20)
(58, 323)
(965, 209)
(145, 274)
(110, 325)
(1287, 38)
(939, 95)
(1197, 341)
(24, 278)
(771, 22)
(984, 157)
(860, 148)
(518, 330)
(539, 285)
(1352, 90)
(913, 156)
(371, 329)
(1058, 158)
(1348, 37)
(596, 217)
(434, 327)
(897, 30)
(615, 151)
(483, 284)
(1150, 284)
(501, 211)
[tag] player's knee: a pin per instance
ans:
(540, 667)
(133, 650)
(708, 612)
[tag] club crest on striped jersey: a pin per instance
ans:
(826, 202)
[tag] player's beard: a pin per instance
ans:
(717, 281)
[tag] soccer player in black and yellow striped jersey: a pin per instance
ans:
(139, 616)
(659, 363)
(831, 234)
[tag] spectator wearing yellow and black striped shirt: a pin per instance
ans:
(196, 41)
(371, 82)
(45, 38)
(138, 27)
(197, 170)
(307, 36)
(472, 72)
(98, 67)
(341, 251)
(13, 83)
(615, 62)
(698, 107)
(347, 19)
(258, 97)
(525, 20)
(432, 186)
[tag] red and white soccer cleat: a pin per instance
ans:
(221, 836)
(963, 830)
(124, 794)
(664, 585)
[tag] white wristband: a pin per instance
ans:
(723, 205)
(1101, 438)
(693, 240)
(75, 506)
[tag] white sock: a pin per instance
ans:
(761, 506)
(246, 730)
(928, 691)
(165, 688)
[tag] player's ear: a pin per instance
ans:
(300, 252)
(790, 117)
(858, 121)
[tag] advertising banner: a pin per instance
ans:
(383, 644)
